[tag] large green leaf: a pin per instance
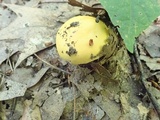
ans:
(132, 16)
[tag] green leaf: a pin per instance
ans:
(132, 16)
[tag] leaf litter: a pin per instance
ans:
(36, 90)
(147, 52)
(32, 28)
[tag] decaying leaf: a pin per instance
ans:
(12, 89)
(147, 50)
(10, 47)
(30, 113)
(86, 86)
(17, 84)
(149, 44)
(152, 63)
(150, 40)
(27, 76)
(110, 107)
(124, 103)
(26, 23)
(34, 29)
(96, 112)
(53, 106)
(143, 111)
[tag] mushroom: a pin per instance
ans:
(81, 40)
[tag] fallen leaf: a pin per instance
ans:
(10, 47)
(143, 111)
(86, 82)
(53, 106)
(149, 38)
(26, 113)
(110, 107)
(17, 84)
(29, 21)
(27, 76)
(30, 113)
(6, 17)
(152, 63)
(124, 102)
(12, 89)
(96, 111)
(33, 25)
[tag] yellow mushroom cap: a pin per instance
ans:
(81, 39)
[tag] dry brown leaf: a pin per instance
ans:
(152, 63)
(124, 102)
(6, 17)
(143, 111)
(33, 25)
(30, 113)
(110, 107)
(129, 112)
(27, 76)
(12, 89)
(53, 106)
(26, 113)
(9, 47)
(86, 82)
(96, 112)
(149, 38)
(29, 21)
(17, 84)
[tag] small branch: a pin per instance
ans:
(59, 69)
(83, 6)
(74, 103)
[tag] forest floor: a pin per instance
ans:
(36, 84)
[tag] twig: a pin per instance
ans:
(74, 103)
(52, 65)
(83, 6)
(8, 58)
(13, 107)
(55, 86)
